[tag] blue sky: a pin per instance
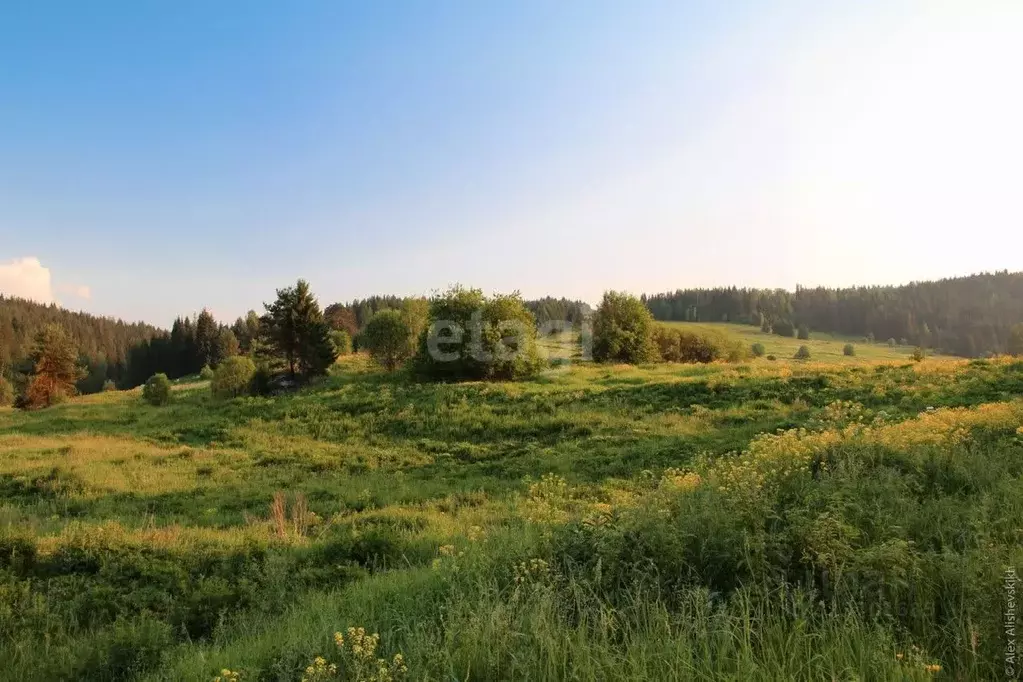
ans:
(156, 158)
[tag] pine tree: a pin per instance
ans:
(206, 338)
(55, 368)
(294, 330)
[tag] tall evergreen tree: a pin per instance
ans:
(293, 329)
(55, 368)
(206, 338)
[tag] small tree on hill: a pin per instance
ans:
(802, 354)
(891, 343)
(227, 345)
(233, 377)
(206, 336)
(757, 349)
(804, 333)
(157, 390)
(294, 330)
(55, 368)
(849, 350)
(784, 328)
(918, 354)
(387, 337)
(623, 330)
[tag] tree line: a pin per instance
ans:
(968, 316)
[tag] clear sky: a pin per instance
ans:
(159, 157)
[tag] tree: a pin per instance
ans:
(472, 336)
(294, 331)
(622, 330)
(233, 377)
(206, 373)
(918, 354)
(803, 333)
(6, 392)
(341, 318)
(891, 343)
(227, 345)
(765, 325)
(55, 368)
(1014, 346)
(157, 390)
(388, 337)
(416, 314)
(757, 349)
(784, 328)
(848, 350)
(342, 341)
(206, 338)
(802, 354)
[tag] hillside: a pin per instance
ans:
(967, 316)
(598, 522)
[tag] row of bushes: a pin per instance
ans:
(233, 377)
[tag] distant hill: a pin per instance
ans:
(103, 342)
(968, 316)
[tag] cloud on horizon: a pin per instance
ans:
(28, 278)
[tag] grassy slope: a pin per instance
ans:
(114, 509)
(824, 347)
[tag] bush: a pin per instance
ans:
(262, 381)
(475, 337)
(681, 345)
(109, 385)
(891, 343)
(849, 350)
(804, 333)
(784, 328)
(6, 392)
(342, 341)
(206, 373)
(388, 338)
(918, 354)
(802, 354)
(623, 330)
(157, 390)
(903, 341)
(772, 358)
(233, 377)
(757, 349)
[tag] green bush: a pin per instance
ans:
(233, 377)
(802, 354)
(918, 354)
(109, 385)
(472, 336)
(623, 330)
(262, 380)
(891, 343)
(758, 350)
(784, 328)
(206, 373)
(157, 390)
(772, 358)
(674, 344)
(342, 341)
(388, 337)
(803, 333)
(849, 350)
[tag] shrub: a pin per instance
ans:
(388, 337)
(233, 377)
(206, 373)
(475, 337)
(262, 381)
(757, 349)
(891, 343)
(109, 385)
(849, 350)
(903, 342)
(623, 330)
(784, 328)
(918, 354)
(772, 358)
(681, 345)
(6, 392)
(869, 338)
(342, 341)
(157, 390)
(802, 354)
(803, 333)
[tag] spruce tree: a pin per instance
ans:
(55, 368)
(294, 330)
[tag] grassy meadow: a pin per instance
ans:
(836, 519)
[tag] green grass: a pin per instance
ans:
(598, 522)
(824, 347)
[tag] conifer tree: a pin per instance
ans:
(55, 368)
(293, 328)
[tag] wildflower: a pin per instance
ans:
(898, 656)
(932, 668)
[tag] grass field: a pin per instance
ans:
(833, 519)
(826, 347)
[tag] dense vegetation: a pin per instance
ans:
(754, 520)
(968, 316)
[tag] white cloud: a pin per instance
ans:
(26, 278)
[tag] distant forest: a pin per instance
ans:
(967, 316)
